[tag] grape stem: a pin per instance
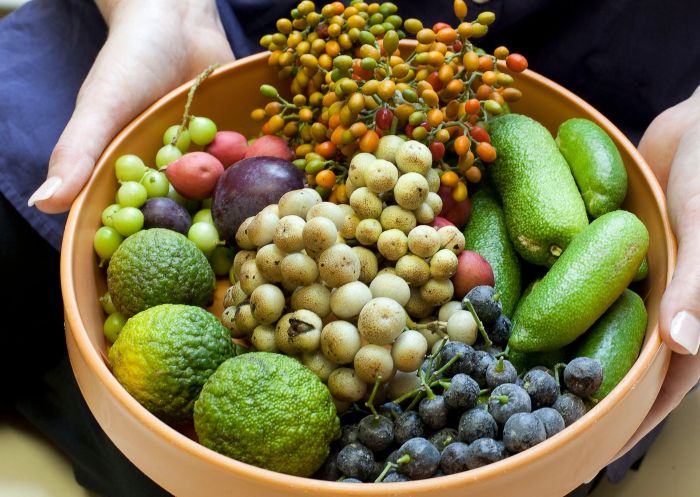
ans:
(370, 401)
(479, 324)
(190, 97)
(389, 466)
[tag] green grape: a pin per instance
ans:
(131, 194)
(183, 142)
(166, 155)
(192, 206)
(113, 326)
(106, 242)
(204, 236)
(221, 260)
(129, 168)
(206, 203)
(203, 216)
(107, 304)
(108, 213)
(202, 130)
(128, 220)
(156, 183)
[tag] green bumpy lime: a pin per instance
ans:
(267, 410)
(158, 266)
(164, 355)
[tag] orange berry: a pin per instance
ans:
(275, 124)
(485, 63)
(459, 194)
(358, 129)
(486, 152)
(501, 52)
(435, 117)
(445, 74)
(473, 174)
(449, 178)
(303, 149)
(470, 61)
(489, 77)
(460, 9)
(341, 194)
(462, 145)
(332, 48)
(305, 114)
(472, 106)
(516, 62)
(273, 108)
(337, 135)
(334, 121)
(436, 58)
(325, 178)
(483, 92)
(430, 98)
(369, 141)
(326, 149)
(257, 115)
(512, 94)
(446, 35)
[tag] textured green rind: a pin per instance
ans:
(267, 410)
(543, 208)
(158, 266)
(165, 354)
(589, 276)
(487, 234)
(595, 164)
(615, 340)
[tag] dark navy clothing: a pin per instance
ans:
(630, 58)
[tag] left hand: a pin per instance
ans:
(671, 146)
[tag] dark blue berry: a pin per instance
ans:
(508, 399)
(454, 458)
(356, 461)
(423, 459)
(500, 333)
(500, 372)
(541, 387)
(350, 480)
(463, 392)
(483, 361)
(329, 471)
(570, 407)
(484, 451)
(477, 423)
(391, 410)
(486, 307)
(376, 432)
(408, 425)
(349, 435)
(433, 412)
(551, 419)
(464, 364)
(443, 438)
(522, 431)
(394, 477)
(583, 376)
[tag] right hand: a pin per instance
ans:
(152, 47)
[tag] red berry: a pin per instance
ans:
(383, 118)
(516, 62)
(434, 81)
(440, 25)
(479, 134)
(457, 46)
(408, 130)
(437, 149)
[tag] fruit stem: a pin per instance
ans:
(389, 466)
(190, 96)
(500, 366)
(503, 399)
(449, 363)
(483, 391)
(370, 401)
(556, 368)
(479, 324)
(404, 459)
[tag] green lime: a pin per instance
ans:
(164, 355)
(267, 410)
(158, 266)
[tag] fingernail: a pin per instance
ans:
(685, 331)
(45, 191)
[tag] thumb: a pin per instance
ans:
(680, 307)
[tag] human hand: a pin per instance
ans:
(152, 47)
(671, 146)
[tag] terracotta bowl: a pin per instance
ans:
(187, 469)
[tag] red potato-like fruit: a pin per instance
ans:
(248, 187)
(455, 212)
(194, 175)
(228, 146)
(440, 222)
(472, 270)
(270, 146)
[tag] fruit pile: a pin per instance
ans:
(354, 246)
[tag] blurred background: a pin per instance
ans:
(31, 467)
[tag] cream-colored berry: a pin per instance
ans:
(356, 170)
(348, 300)
(390, 286)
(452, 239)
(340, 341)
(413, 269)
(413, 156)
(242, 238)
(298, 269)
(437, 292)
(368, 231)
(268, 260)
(315, 298)
(388, 146)
(423, 241)
(433, 178)
(298, 202)
(338, 265)
(381, 321)
(369, 265)
(395, 216)
(373, 363)
(241, 257)
(443, 264)
(366, 203)
(289, 234)
(329, 210)
(411, 190)
(380, 176)
(392, 244)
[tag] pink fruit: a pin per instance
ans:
(439, 222)
(270, 146)
(472, 270)
(194, 175)
(228, 146)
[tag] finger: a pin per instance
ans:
(679, 316)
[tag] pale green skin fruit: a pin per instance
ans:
(595, 163)
(615, 340)
(643, 270)
(487, 235)
(589, 276)
(267, 410)
(542, 205)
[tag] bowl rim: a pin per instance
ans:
(95, 361)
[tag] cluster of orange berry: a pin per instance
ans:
(352, 82)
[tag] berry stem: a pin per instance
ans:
(503, 399)
(479, 324)
(370, 401)
(190, 97)
(389, 466)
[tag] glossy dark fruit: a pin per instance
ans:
(356, 461)
(350, 435)
(500, 372)
(522, 431)
(453, 458)
(433, 412)
(570, 407)
(162, 212)
(583, 376)
(484, 451)
(500, 332)
(508, 399)
(483, 361)
(424, 459)
(443, 438)
(465, 364)
(477, 423)
(486, 306)
(463, 392)
(541, 387)
(376, 432)
(390, 409)
(407, 426)
(551, 419)
(245, 189)
(329, 471)
(394, 477)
